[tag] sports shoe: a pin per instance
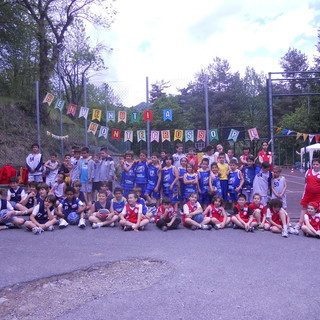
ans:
(82, 223)
(194, 228)
(297, 226)
(141, 228)
(217, 226)
(96, 225)
(285, 233)
(206, 227)
(127, 228)
(251, 229)
(151, 220)
(50, 228)
(164, 228)
(36, 230)
(63, 223)
(260, 227)
(235, 226)
(111, 225)
(10, 225)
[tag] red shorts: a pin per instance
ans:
(246, 220)
(218, 217)
(279, 222)
(307, 198)
(184, 222)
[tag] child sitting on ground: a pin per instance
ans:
(30, 200)
(166, 218)
(15, 192)
(259, 212)
(311, 225)
(118, 202)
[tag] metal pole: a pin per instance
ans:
(148, 121)
(106, 88)
(38, 111)
(271, 136)
(206, 105)
(59, 82)
(85, 105)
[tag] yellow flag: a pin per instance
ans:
(178, 135)
(298, 135)
(96, 114)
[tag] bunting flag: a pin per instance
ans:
(253, 134)
(178, 135)
(305, 136)
(122, 116)
(84, 111)
(128, 135)
(72, 109)
(317, 138)
(115, 134)
(278, 129)
(189, 135)
(59, 104)
(111, 116)
(93, 127)
(213, 135)
(201, 135)
(311, 136)
(147, 115)
(298, 135)
(103, 132)
(135, 116)
(285, 131)
(167, 114)
(233, 135)
(141, 135)
(155, 136)
(289, 131)
(165, 135)
(48, 98)
(96, 114)
(50, 134)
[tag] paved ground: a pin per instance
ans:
(225, 274)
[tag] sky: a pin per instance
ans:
(172, 40)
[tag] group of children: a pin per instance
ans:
(194, 197)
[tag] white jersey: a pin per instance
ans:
(261, 183)
(176, 159)
(278, 185)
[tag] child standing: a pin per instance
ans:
(259, 212)
(214, 180)
(244, 157)
(279, 187)
(235, 181)
(166, 218)
(223, 174)
(153, 182)
(141, 171)
(311, 225)
(178, 155)
(249, 171)
(128, 175)
(192, 158)
(34, 163)
(262, 182)
(209, 155)
(107, 169)
(96, 179)
(182, 171)
(203, 186)
(51, 168)
(190, 180)
(86, 168)
(75, 162)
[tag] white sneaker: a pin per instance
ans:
(291, 230)
(297, 226)
(82, 223)
(63, 223)
(50, 228)
(36, 230)
(96, 225)
(111, 225)
(285, 233)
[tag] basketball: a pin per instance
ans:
(198, 218)
(73, 218)
(2, 214)
(104, 213)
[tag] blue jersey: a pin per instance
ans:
(141, 172)
(204, 180)
(152, 175)
(248, 174)
(190, 188)
(128, 177)
(118, 205)
(42, 214)
(182, 171)
(167, 178)
(144, 206)
(16, 194)
(217, 185)
(233, 180)
(70, 206)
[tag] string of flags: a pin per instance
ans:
(305, 136)
(50, 134)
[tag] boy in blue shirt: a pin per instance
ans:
(249, 171)
(203, 183)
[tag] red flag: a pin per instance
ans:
(317, 138)
(147, 115)
(115, 134)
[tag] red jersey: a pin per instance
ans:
(275, 216)
(244, 157)
(161, 211)
(195, 161)
(312, 182)
(263, 209)
(214, 212)
(188, 207)
(265, 155)
(244, 212)
(313, 220)
(131, 213)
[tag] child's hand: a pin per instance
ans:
(246, 226)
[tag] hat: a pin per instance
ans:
(314, 204)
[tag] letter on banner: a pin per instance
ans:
(59, 104)
(96, 114)
(165, 135)
(141, 135)
(104, 132)
(122, 116)
(189, 135)
(111, 116)
(178, 135)
(201, 135)
(213, 135)
(48, 98)
(84, 111)
(72, 109)
(147, 115)
(93, 127)
(155, 136)
(135, 116)
(167, 114)
(253, 134)
(233, 135)
(128, 135)
(115, 134)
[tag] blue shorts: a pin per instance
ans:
(142, 186)
(173, 196)
(205, 198)
(233, 196)
(149, 190)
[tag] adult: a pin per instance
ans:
(264, 154)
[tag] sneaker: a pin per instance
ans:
(217, 226)
(141, 228)
(63, 223)
(297, 226)
(127, 228)
(164, 228)
(206, 227)
(235, 226)
(50, 228)
(151, 220)
(251, 229)
(36, 230)
(82, 223)
(260, 227)
(10, 225)
(111, 225)
(285, 233)
(194, 228)
(291, 230)
(96, 225)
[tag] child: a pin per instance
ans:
(182, 170)
(215, 214)
(141, 201)
(15, 192)
(30, 200)
(166, 218)
(59, 187)
(141, 171)
(193, 214)
(163, 154)
(244, 157)
(209, 155)
(203, 185)
(231, 156)
(214, 180)
(78, 193)
(279, 187)
(279, 219)
(128, 176)
(107, 168)
(190, 180)
(259, 212)
(66, 168)
(223, 174)
(262, 182)
(311, 189)
(118, 202)
(8, 217)
(96, 175)
(51, 169)
(100, 216)
(34, 164)
(192, 158)
(249, 171)
(264, 154)
(178, 155)
(42, 218)
(170, 177)
(68, 205)
(153, 181)
(242, 215)
(86, 168)
(118, 170)
(75, 162)
(219, 148)
(311, 225)
(131, 216)
(235, 181)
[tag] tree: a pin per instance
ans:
(157, 90)
(52, 19)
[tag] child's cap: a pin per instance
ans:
(314, 205)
